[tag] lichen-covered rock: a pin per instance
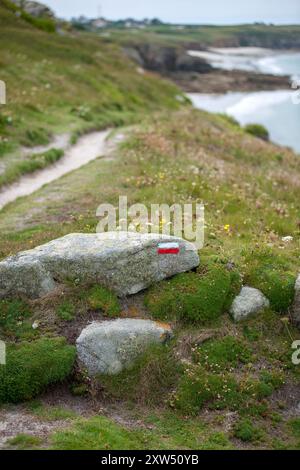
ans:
(108, 347)
(248, 302)
(23, 276)
(296, 304)
(125, 264)
(36, 9)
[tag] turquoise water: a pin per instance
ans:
(281, 64)
(278, 111)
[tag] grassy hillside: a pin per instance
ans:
(218, 384)
(234, 384)
(66, 82)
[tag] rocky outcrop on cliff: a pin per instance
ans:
(35, 9)
(165, 60)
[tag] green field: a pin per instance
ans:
(258, 35)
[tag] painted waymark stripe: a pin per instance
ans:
(169, 248)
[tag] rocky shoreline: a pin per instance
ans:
(223, 81)
(197, 75)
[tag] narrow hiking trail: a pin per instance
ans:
(88, 148)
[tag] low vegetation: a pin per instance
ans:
(257, 130)
(198, 298)
(100, 298)
(52, 81)
(271, 274)
(30, 367)
(217, 384)
(30, 165)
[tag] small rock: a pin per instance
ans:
(108, 347)
(287, 239)
(296, 305)
(35, 9)
(35, 325)
(248, 302)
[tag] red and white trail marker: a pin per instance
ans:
(168, 248)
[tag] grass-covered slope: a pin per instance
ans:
(66, 81)
(218, 384)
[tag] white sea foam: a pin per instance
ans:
(252, 60)
(254, 102)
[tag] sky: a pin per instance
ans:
(184, 11)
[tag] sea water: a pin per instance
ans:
(278, 111)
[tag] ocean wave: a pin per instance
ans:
(254, 102)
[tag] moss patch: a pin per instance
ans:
(247, 432)
(225, 353)
(30, 367)
(100, 298)
(15, 319)
(271, 274)
(198, 298)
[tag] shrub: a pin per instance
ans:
(193, 297)
(30, 367)
(217, 355)
(271, 275)
(49, 157)
(258, 131)
(100, 298)
(245, 431)
(33, 137)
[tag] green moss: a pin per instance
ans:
(294, 425)
(258, 131)
(24, 441)
(97, 433)
(217, 355)
(247, 432)
(193, 297)
(100, 298)
(66, 311)
(30, 367)
(15, 319)
(271, 274)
